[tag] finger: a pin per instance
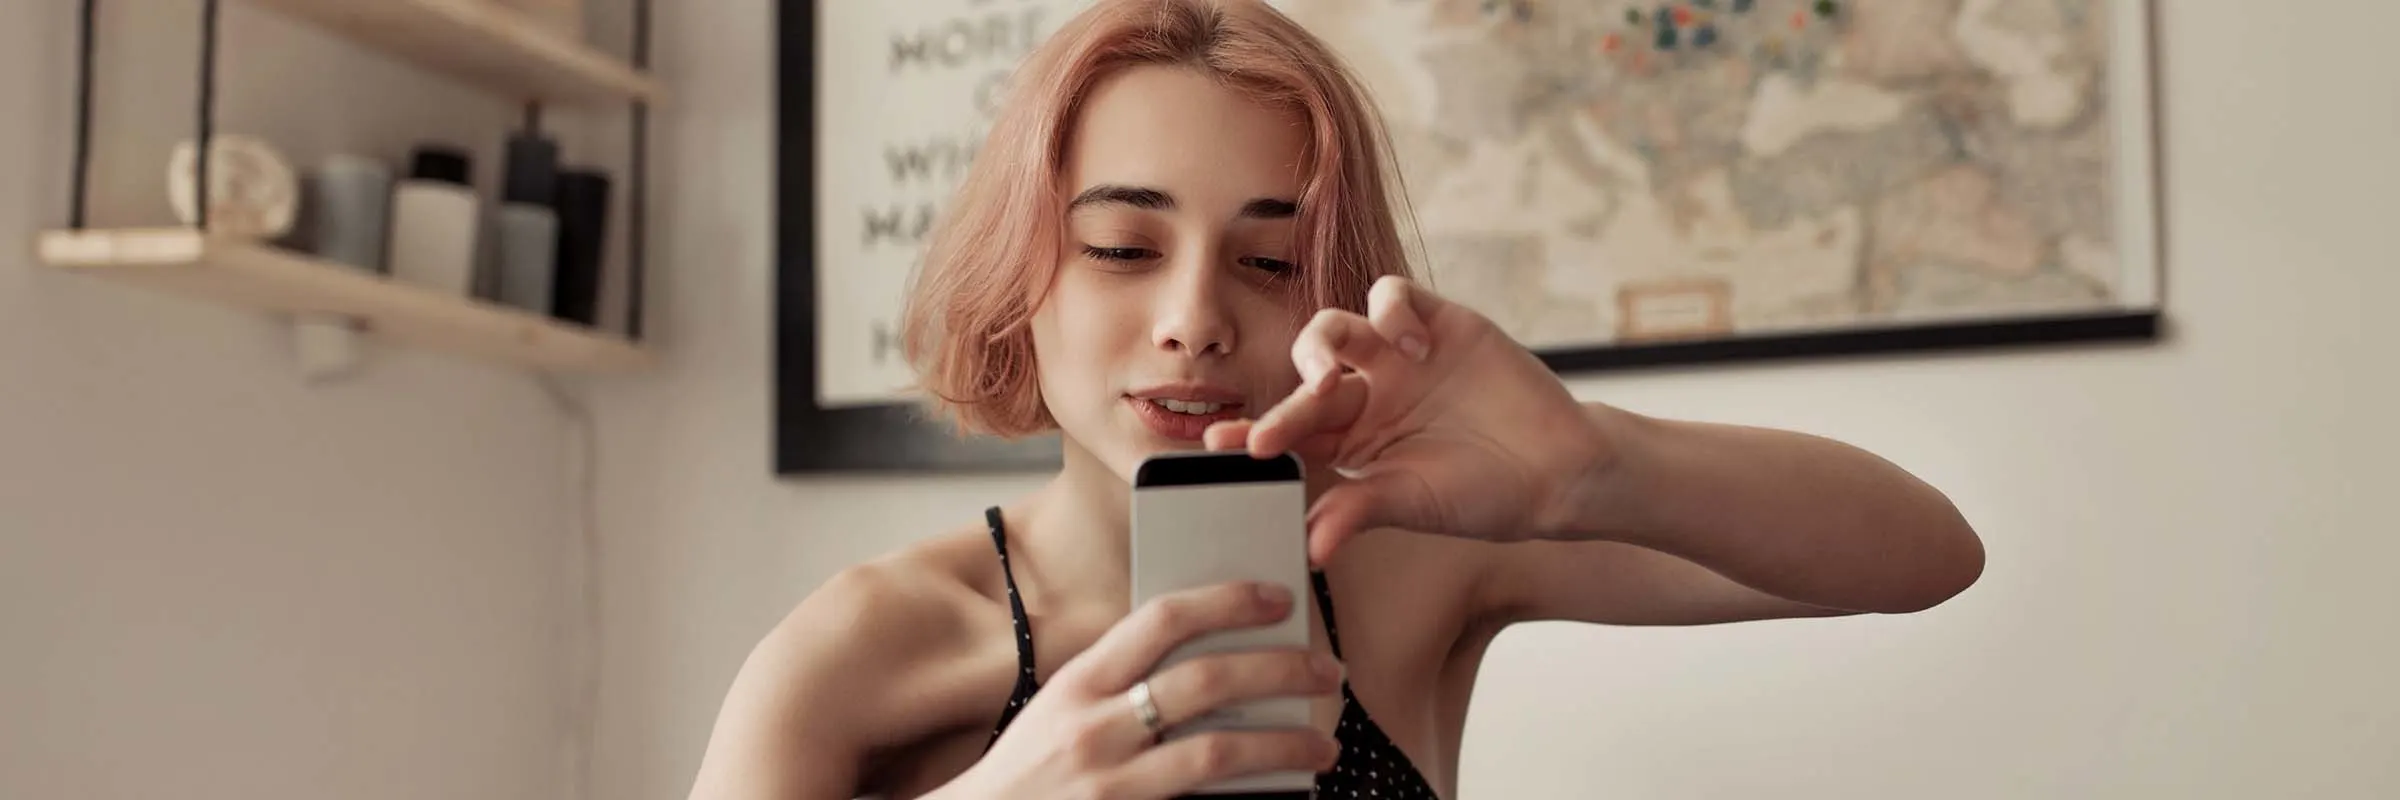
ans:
(1235, 435)
(1179, 767)
(1319, 448)
(1381, 498)
(1306, 415)
(1399, 310)
(1132, 648)
(1227, 435)
(1198, 687)
(1337, 339)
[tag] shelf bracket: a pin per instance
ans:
(86, 53)
(77, 202)
(202, 192)
(637, 236)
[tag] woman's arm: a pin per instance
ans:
(1440, 423)
(1688, 522)
(816, 695)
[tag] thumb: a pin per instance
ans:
(1380, 498)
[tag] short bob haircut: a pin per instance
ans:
(989, 263)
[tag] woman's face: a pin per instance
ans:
(1176, 299)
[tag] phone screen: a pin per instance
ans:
(1202, 519)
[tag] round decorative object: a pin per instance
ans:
(253, 192)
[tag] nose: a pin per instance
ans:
(1193, 315)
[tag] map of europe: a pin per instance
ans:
(1588, 171)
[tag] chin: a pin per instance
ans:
(1140, 445)
(1118, 448)
(1123, 444)
(1121, 435)
(1121, 458)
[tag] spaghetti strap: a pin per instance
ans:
(1027, 685)
(1016, 603)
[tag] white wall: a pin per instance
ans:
(2187, 594)
(216, 582)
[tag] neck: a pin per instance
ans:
(1079, 529)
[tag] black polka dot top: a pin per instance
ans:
(1371, 766)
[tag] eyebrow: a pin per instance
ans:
(1149, 199)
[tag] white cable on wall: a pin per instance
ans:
(581, 696)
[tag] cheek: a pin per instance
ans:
(1055, 361)
(1267, 356)
(1077, 334)
(1078, 311)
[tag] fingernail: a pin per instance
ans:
(1274, 594)
(1412, 346)
(1326, 667)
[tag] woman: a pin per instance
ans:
(1177, 237)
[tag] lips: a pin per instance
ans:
(1183, 412)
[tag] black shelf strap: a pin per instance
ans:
(208, 108)
(637, 206)
(86, 50)
(76, 204)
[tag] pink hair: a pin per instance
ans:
(991, 260)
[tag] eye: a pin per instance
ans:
(1116, 253)
(1275, 266)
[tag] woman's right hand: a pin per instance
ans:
(1082, 737)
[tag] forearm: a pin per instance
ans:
(1800, 517)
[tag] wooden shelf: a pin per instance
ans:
(265, 278)
(481, 41)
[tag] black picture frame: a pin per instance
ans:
(902, 438)
(809, 438)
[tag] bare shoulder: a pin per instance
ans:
(882, 655)
(890, 612)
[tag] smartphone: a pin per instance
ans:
(1207, 518)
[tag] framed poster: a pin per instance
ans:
(880, 106)
(1616, 184)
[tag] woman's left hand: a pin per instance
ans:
(1441, 424)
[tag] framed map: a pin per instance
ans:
(1624, 183)
(1617, 184)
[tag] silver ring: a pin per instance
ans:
(1144, 707)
